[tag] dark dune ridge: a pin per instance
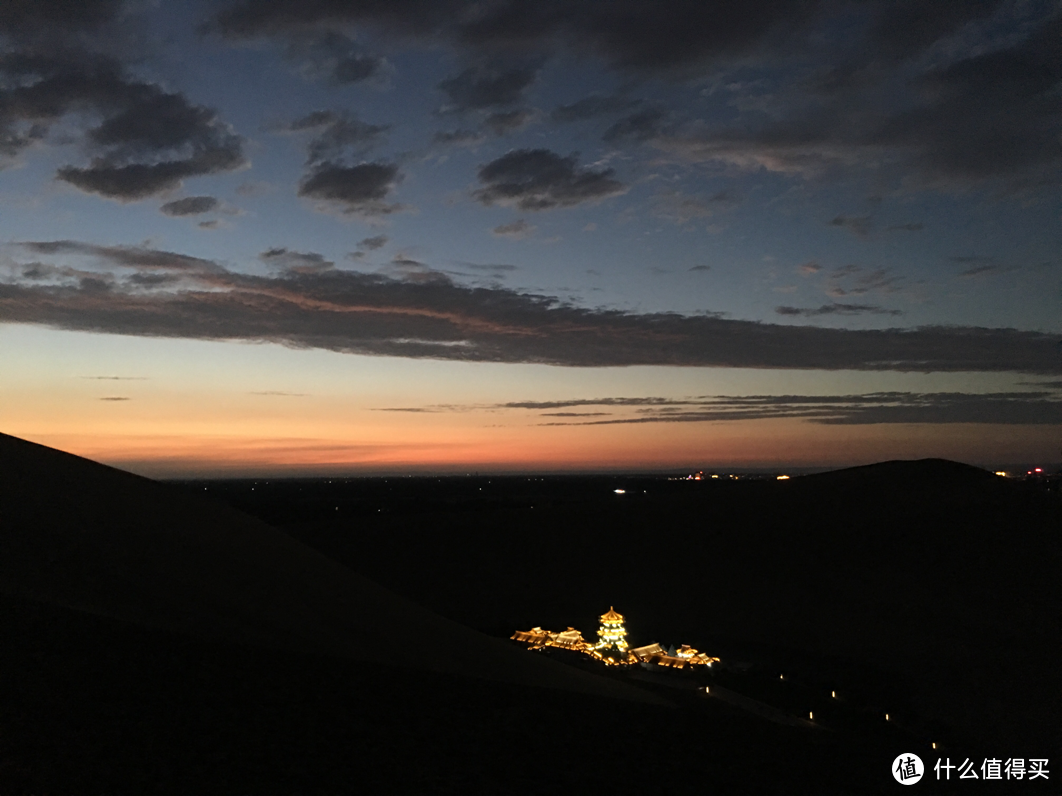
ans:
(153, 640)
(86, 536)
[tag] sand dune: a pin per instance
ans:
(79, 534)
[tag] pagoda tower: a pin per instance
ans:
(612, 636)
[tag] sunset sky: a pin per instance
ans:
(302, 237)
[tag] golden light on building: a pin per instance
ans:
(612, 633)
(611, 648)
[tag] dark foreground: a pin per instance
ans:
(926, 591)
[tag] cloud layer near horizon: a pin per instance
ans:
(139, 291)
(1042, 407)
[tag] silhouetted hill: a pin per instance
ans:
(155, 641)
(82, 535)
(921, 474)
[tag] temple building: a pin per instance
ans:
(611, 647)
(612, 637)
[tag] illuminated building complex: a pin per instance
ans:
(611, 647)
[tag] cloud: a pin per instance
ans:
(338, 135)
(373, 243)
(296, 262)
(459, 138)
(506, 122)
(413, 311)
(634, 36)
(29, 18)
(481, 87)
(357, 190)
(591, 107)
(114, 398)
(639, 127)
(149, 139)
(838, 309)
(700, 268)
(809, 268)
(517, 230)
(279, 394)
(969, 116)
(540, 179)
(859, 226)
(913, 227)
(1015, 408)
(190, 206)
(681, 208)
(334, 57)
(116, 378)
(852, 280)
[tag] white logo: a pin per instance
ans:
(907, 768)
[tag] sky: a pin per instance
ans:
(327, 237)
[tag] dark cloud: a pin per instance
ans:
(575, 414)
(114, 398)
(339, 135)
(358, 190)
(332, 56)
(970, 116)
(591, 107)
(296, 262)
(190, 206)
(907, 26)
(417, 312)
(506, 122)
(640, 126)
(681, 208)
(632, 35)
(149, 140)
(700, 268)
(859, 225)
(149, 280)
(459, 138)
(517, 230)
(1016, 408)
(116, 378)
(373, 243)
(137, 257)
(487, 87)
(913, 227)
(22, 17)
(539, 179)
(838, 309)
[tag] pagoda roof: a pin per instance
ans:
(611, 616)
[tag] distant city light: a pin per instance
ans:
(783, 478)
(620, 491)
(1001, 473)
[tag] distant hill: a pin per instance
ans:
(916, 473)
(82, 535)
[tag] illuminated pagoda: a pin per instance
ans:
(611, 648)
(612, 636)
